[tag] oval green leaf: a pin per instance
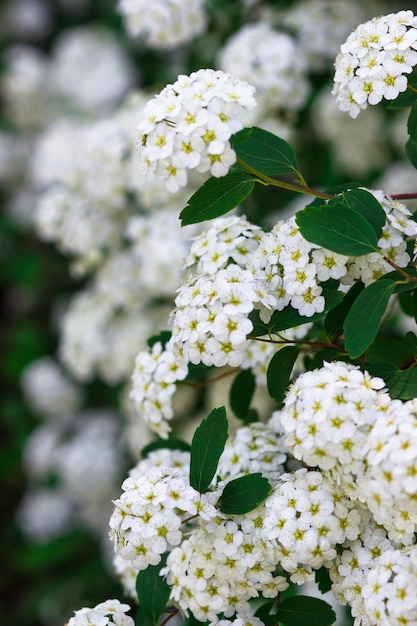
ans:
(279, 372)
(302, 610)
(403, 385)
(412, 123)
(368, 206)
(241, 393)
(244, 494)
(217, 196)
(265, 152)
(362, 322)
(153, 594)
(339, 228)
(206, 449)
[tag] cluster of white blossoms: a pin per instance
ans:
(254, 448)
(188, 125)
(320, 25)
(210, 322)
(389, 588)
(327, 416)
(64, 451)
(389, 483)
(166, 23)
(226, 238)
(268, 272)
(104, 614)
(274, 66)
(49, 391)
(154, 376)
(148, 516)
(343, 421)
(374, 61)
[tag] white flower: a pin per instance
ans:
(179, 131)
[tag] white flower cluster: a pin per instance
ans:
(48, 390)
(210, 323)
(154, 376)
(166, 23)
(226, 238)
(187, 126)
(307, 517)
(320, 26)
(374, 61)
(84, 480)
(217, 563)
(221, 566)
(349, 570)
(342, 420)
(389, 484)
(147, 518)
(255, 448)
(327, 416)
(104, 614)
(389, 588)
(274, 66)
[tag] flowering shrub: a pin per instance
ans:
(263, 360)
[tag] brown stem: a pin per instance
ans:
(188, 519)
(171, 615)
(403, 196)
(205, 383)
(319, 344)
(404, 274)
(263, 178)
(413, 89)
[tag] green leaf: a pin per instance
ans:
(339, 228)
(367, 205)
(169, 444)
(322, 578)
(381, 370)
(415, 304)
(335, 318)
(363, 320)
(244, 494)
(412, 123)
(279, 372)
(411, 152)
(386, 349)
(241, 393)
(153, 594)
(206, 449)
(403, 385)
(265, 152)
(302, 610)
(217, 196)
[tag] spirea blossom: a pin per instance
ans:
(374, 61)
(389, 484)
(188, 125)
(153, 385)
(327, 416)
(148, 516)
(164, 24)
(255, 448)
(275, 66)
(104, 614)
(320, 26)
(48, 390)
